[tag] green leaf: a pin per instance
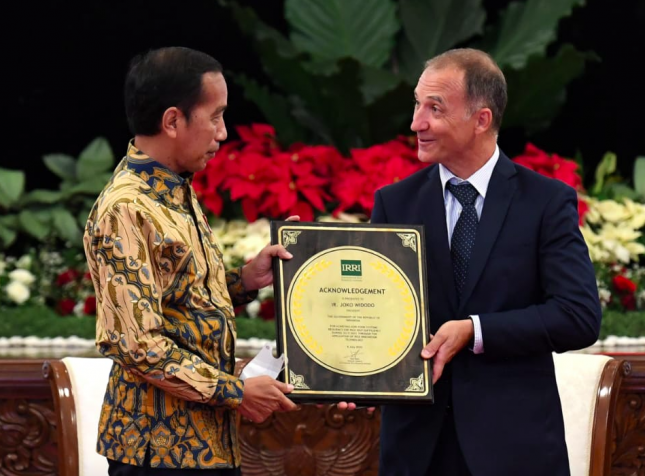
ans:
(280, 60)
(65, 225)
(7, 236)
(36, 224)
(10, 221)
(338, 92)
(335, 29)
(8, 230)
(620, 190)
(639, 176)
(64, 166)
(251, 25)
(526, 29)
(432, 27)
(606, 167)
(12, 184)
(389, 105)
(537, 92)
(96, 158)
(274, 107)
(82, 216)
(376, 82)
(41, 196)
(94, 186)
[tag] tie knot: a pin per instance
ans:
(465, 193)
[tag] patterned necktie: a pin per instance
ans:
(463, 235)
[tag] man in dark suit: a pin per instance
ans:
(509, 282)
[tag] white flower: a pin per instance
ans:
(604, 295)
(259, 227)
(612, 211)
(22, 276)
(17, 292)
(635, 249)
(79, 308)
(24, 262)
(265, 293)
(249, 246)
(253, 308)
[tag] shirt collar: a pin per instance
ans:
(479, 179)
(164, 183)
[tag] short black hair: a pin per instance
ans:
(484, 81)
(163, 78)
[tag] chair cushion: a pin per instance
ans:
(89, 378)
(578, 377)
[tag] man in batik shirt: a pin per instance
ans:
(164, 301)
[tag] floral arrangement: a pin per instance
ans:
(273, 181)
(16, 280)
(267, 180)
(611, 229)
(59, 280)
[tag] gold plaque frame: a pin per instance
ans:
(351, 312)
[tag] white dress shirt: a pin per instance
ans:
(480, 181)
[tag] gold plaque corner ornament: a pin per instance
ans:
(290, 237)
(298, 381)
(408, 240)
(416, 384)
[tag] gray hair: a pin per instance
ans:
(485, 84)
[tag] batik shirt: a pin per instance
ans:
(165, 317)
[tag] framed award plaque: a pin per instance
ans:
(351, 312)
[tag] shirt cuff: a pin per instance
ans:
(478, 344)
(229, 391)
(239, 295)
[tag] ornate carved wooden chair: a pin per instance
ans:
(78, 387)
(588, 387)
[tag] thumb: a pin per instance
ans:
(431, 349)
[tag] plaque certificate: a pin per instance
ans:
(351, 312)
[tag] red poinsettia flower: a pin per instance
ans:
(552, 166)
(629, 302)
(208, 182)
(258, 138)
(249, 177)
(89, 307)
(65, 306)
(67, 277)
(301, 179)
(624, 284)
(373, 168)
(296, 188)
(267, 310)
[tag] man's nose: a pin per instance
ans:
(419, 123)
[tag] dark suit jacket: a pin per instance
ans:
(531, 282)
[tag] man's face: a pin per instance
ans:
(199, 137)
(444, 126)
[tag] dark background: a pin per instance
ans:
(65, 61)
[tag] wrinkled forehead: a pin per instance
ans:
(446, 82)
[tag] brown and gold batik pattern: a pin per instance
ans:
(165, 317)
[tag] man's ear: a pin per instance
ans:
(170, 121)
(484, 120)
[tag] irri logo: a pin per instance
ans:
(349, 267)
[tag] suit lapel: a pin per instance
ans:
(498, 198)
(433, 211)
